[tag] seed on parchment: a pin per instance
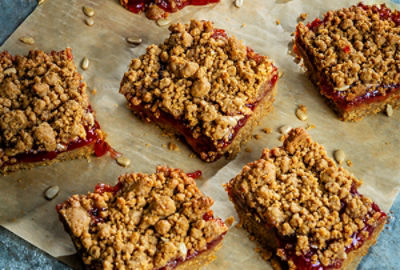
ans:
(10, 71)
(134, 40)
(89, 21)
(27, 40)
(85, 63)
(238, 3)
(301, 114)
(51, 192)
(285, 129)
(163, 22)
(41, 2)
(389, 110)
(123, 161)
(339, 156)
(88, 11)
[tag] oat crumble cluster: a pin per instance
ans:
(201, 77)
(150, 221)
(298, 190)
(356, 49)
(43, 103)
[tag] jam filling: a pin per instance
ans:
(195, 174)
(100, 147)
(137, 6)
(303, 262)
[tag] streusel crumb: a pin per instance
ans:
(144, 222)
(43, 103)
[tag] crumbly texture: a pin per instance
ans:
(300, 192)
(354, 51)
(150, 221)
(201, 78)
(43, 104)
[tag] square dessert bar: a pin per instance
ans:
(297, 203)
(159, 9)
(45, 114)
(203, 85)
(157, 221)
(352, 57)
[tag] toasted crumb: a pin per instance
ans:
(164, 145)
(282, 138)
(310, 126)
(303, 16)
(243, 25)
(192, 155)
(248, 150)
(257, 136)
(267, 130)
(278, 22)
(94, 91)
(172, 146)
(303, 108)
(229, 221)
(147, 145)
(349, 163)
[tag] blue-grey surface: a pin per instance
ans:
(16, 253)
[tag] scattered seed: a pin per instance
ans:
(88, 11)
(163, 22)
(285, 129)
(243, 25)
(257, 136)
(51, 192)
(27, 40)
(310, 126)
(301, 114)
(123, 161)
(134, 40)
(238, 3)
(172, 146)
(389, 110)
(229, 221)
(147, 145)
(41, 2)
(10, 71)
(281, 74)
(278, 22)
(89, 21)
(349, 163)
(85, 63)
(339, 156)
(282, 138)
(94, 92)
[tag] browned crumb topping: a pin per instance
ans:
(150, 221)
(257, 136)
(200, 77)
(43, 103)
(301, 192)
(303, 16)
(349, 163)
(172, 146)
(355, 49)
(267, 130)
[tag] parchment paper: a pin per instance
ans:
(372, 144)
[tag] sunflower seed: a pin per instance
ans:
(10, 71)
(301, 115)
(285, 129)
(389, 110)
(89, 21)
(85, 63)
(163, 22)
(339, 156)
(238, 3)
(41, 2)
(134, 40)
(123, 161)
(51, 192)
(88, 11)
(27, 40)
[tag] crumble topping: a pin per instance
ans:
(355, 48)
(300, 191)
(43, 103)
(201, 77)
(151, 220)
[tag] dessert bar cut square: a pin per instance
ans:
(203, 85)
(158, 221)
(352, 57)
(45, 114)
(300, 205)
(159, 9)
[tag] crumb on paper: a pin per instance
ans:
(349, 163)
(278, 22)
(310, 126)
(303, 16)
(257, 136)
(229, 221)
(192, 155)
(248, 150)
(243, 25)
(172, 146)
(94, 91)
(282, 138)
(147, 145)
(267, 130)
(164, 145)
(302, 108)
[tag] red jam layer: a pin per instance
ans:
(100, 147)
(138, 6)
(195, 174)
